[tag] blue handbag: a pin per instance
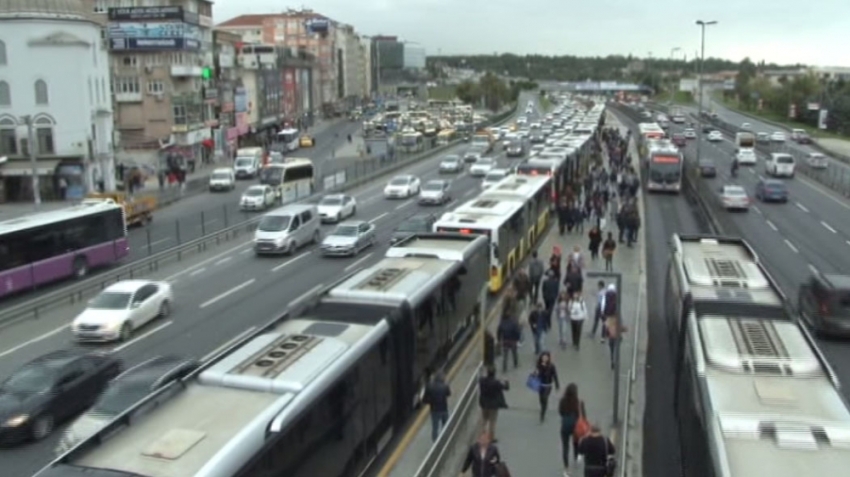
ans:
(533, 383)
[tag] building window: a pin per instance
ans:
(41, 96)
(101, 6)
(3, 58)
(44, 135)
(8, 140)
(129, 61)
(179, 112)
(127, 85)
(156, 87)
(5, 94)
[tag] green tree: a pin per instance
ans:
(494, 91)
(468, 92)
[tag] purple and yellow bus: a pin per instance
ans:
(41, 248)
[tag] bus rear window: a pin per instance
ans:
(464, 231)
(527, 170)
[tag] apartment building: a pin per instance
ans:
(351, 66)
(161, 56)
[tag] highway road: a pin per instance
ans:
(220, 297)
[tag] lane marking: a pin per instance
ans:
(404, 204)
(197, 272)
(157, 242)
(379, 217)
(247, 250)
(228, 293)
(291, 261)
(223, 260)
(770, 224)
(829, 194)
(358, 262)
(227, 344)
(141, 337)
(204, 262)
(814, 269)
(801, 207)
(791, 246)
(828, 227)
(757, 210)
(34, 340)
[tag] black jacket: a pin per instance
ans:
(548, 375)
(550, 289)
(508, 332)
(437, 396)
(491, 394)
(485, 467)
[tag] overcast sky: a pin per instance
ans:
(782, 31)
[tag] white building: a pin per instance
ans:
(54, 69)
(353, 59)
(366, 51)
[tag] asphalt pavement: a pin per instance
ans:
(220, 295)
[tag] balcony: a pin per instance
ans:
(129, 97)
(184, 71)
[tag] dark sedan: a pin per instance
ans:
(771, 190)
(412, 225)
(707, 168)
(50, 389)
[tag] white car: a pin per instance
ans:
(816, 160)
(402, 187)
(777, 136)
(222, 179)
(257, 197)
(121, 308)
(715, 136)
(690, 134)
(734, 197)
(746, 126)
(493, 177)
(482, 166)
(746, 157)
(335, 207)
(451, 164)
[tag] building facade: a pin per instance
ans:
(54, 75)
(351, 61)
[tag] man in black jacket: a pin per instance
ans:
(491, 398)
(437, 398)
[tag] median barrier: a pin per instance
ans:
(86, 288)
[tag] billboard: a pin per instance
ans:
(289, 93)
(240, 100)
(318, 25)
(153, 44)
(154, 30)
(152, 13)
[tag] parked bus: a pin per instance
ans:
(291, 180)
(289, 138)
(664, 169)
(753, 394)
(45, 247)
(536, 192)
(318, 392)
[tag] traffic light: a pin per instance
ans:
(206, 73)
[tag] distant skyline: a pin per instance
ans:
(777, 31)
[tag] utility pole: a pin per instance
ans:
(673, 52)
(702, 24)
(36, 192)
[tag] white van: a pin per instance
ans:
(248, 162)
(222, 180)
(286, 229)
(780, 164)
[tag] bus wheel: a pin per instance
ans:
(81, 268)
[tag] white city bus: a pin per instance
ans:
(292, 180)
(289, 138)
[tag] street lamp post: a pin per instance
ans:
(673, 51)
(702, 24)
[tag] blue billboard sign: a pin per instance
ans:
(154, 30)
(153, 44)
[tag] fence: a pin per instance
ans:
(208, 232)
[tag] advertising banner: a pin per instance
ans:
(289, 109)
(152, 13)
(304, 88)
(153, 44)
(240, 100)
(154, 30)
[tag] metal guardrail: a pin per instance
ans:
(77, 292)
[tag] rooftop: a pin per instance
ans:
(55, 9)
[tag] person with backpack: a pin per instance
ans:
(599, 454)
(548, 376)
(491, 398)
(571, 409)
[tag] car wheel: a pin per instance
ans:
(126, 332)
(42, 427)
(164, 309)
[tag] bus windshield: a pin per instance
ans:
(665, 169)
(271, 175)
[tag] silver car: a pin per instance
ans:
(349, 238)
(451, 164)
(734, 197)
(435, 193)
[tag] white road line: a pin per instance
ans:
(223, 260)
(291, 261)
(757, 210)
(770, 224)
(404, 204)
(227, 293)
(379, 217)
(247, 250)
(305, 296)
(34, 340)
(801, 207)
(358, 262)
(204, 262)
(828, 227)
(226, 345)
(141, 337)
(814, 269)
(826, 192)
(197, 272)
(791, 246)
(157, 242)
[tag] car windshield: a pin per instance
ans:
(400, 181)
(331, 201)
(451, 159)
(735, 191)
(413, 225)
(775, 186)
(244, 161)
(706, 163)
(30, 379)
(111, 301)
(274, 223)
(120, 396)
(221, 176)
(254, 192)
(785, 160)
(494, 176)
(346, 231)
(433, 186)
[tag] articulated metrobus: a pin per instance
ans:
(289, 138)
(649, 132)
(292, 180)
(535, 191)
(664, 167)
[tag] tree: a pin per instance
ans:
(494, 91)
(468, 92)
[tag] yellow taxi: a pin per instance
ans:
(306, 141)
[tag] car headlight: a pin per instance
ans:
(16, 421)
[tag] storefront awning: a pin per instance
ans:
(24, 168)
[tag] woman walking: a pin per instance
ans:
(608, 252)
(578, 313)
(562, 310)
(548, 376)
(595, 237)
(571, 408)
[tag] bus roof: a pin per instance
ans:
(291, 162)
(444, 246)
(512, 187)
(483, 205)
(51, 217)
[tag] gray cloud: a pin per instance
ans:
(782, 31)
